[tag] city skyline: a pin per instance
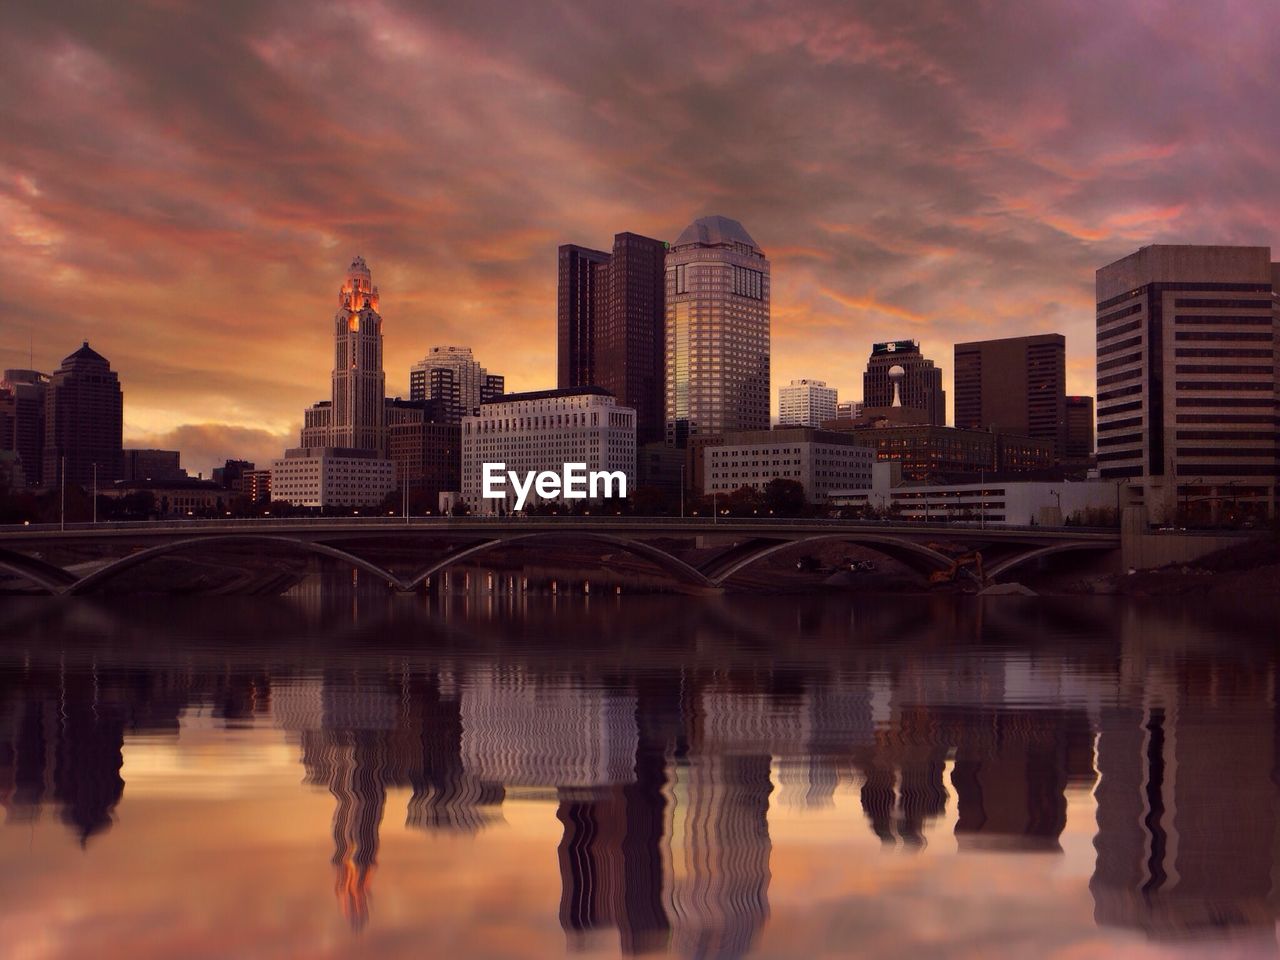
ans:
(945, 180)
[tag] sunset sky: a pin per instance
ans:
(184, 184)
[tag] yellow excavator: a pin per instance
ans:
(971, 560)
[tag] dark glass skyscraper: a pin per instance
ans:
(611, 324)
(84, 421)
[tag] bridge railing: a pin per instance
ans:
(708, 524)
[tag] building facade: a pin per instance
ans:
(453, 376)
(256, 485)
(84, 422)
(22, 403)
(425, 447)
(806, 403)
(1186, 367)
(1000, 502)
(152, 465)
(819, 460)
(931, 453)
(543, 431)
(612, 318)
(1079, 451)
(920, 384)
(717, 337)
(331, 477)
(1014, 385)
(848, 410)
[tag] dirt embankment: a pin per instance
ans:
(1248, 573)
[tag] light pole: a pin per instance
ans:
(62, 506)
(95, 494)
(1058, 497)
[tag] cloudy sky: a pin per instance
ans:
(184, 184)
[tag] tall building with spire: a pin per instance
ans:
(717, 332)
(354, 417)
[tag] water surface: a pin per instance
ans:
(345, 773)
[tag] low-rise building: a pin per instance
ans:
(331, 477)
(255, 485)
(819, 460)
(931, 452)
(175, 496)
(543, 431)
(1000, 500)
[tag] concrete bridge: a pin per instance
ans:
(53, 558)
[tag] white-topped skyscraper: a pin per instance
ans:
(717, 332)
(806, 403)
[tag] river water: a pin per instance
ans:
(344, 773)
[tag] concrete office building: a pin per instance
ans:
(1014, 385)
(544, 430)
(806, 403)
(453, 376)
(819, 460)
(611, 324)
(1003, 501)
(22, 402)
(331, 477)
(83, 422)
(256, 485)
(1187, 397)
(1079, 450)
(717, 332)
(848, 410)
(919, 385)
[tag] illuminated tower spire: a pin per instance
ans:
(359, 385)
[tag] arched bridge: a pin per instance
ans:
(54, 559)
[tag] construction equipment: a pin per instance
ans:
(965, 561)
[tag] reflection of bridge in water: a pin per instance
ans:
(694, 553)
(666, 771)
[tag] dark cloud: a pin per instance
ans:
(185, 182)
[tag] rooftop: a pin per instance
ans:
(713, 231)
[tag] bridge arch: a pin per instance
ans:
(117, 567)
(673, 565)
(999, 569)
(895, 547)
(45, 575)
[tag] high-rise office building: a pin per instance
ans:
(920, 384)
(806, 403)
(1014, 385)
(1079, 431)
(152, 465)
(717, 331)
(1187, 376)
(84, 421)
(454, 377)
(426, 448)
(359, 385)
(611, 324)
(576, 298)
(24, 400)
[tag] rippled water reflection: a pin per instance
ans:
(344, 774)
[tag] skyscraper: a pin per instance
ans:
(359, 386)
(84, 421)
(575, 311)
(920, 384)
(717, 331)
(1079, 432)
(806, 403)
(1014, 385)
(611, 324)
(453, 376)
(1187, 375)
(25, 400)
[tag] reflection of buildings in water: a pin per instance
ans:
(522, 731)
(1012, 768)
(1187, 812)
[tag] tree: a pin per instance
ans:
(784, 497)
